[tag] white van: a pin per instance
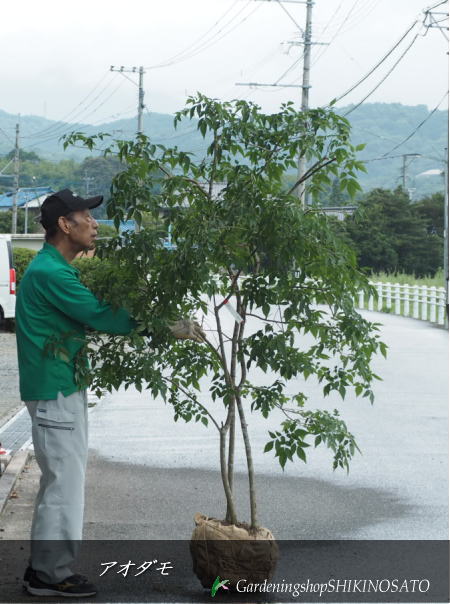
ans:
(7, 280)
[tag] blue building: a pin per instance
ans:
(27, 197)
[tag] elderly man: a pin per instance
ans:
(53, 308)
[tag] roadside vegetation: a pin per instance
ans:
(404, 279)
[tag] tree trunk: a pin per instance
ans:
(251, 472)
(231, 445)
(231, 508)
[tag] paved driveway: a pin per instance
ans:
(397, 488)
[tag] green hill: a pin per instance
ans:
(381, 126)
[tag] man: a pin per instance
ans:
(53, 308)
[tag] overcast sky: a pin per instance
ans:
(56, 54)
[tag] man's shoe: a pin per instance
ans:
(75, 586)
(27, 576)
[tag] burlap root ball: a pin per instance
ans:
(231, 552)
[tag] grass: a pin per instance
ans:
(405, 279)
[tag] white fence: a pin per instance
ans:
(416, 301)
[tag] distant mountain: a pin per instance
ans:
(42, 136)
(382, 126)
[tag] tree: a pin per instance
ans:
(431, 209)
(6, 221)
(105, 230)
(289, 280)
(389, 235)
(100, 172)
(58, 175)
(24, 155)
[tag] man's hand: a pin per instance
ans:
(187, 329)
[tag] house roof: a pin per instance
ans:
(126, 225)
(33, 196)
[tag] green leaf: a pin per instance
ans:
(268, 447)
(301, 454)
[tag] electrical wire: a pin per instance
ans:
(388, 73)
(418, 126)
(380, 62)
(183, 55)
(436, 5)
(330, 20)
(68, 127)
(6, 135)
(115, 116)
(339, 28)
(215, 40)
(294, 64)
(55, 129)
(64, 118)
(178, 134)
(360, 15)
(181, 52)
(290, 16)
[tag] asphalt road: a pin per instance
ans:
(150, 475)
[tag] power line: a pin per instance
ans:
(116, 116)
(435, 5)
(419, 125)
(213, 41)
(352, 24)
(290, 16)
(183, 55)
(7, 135)
(64, 129)
(197, 40)
(360, 15)
(331, 19)
(385, 76)
(55, 129)
(387, 154)
(346, 18)
(294, 64)
(67, 115)
(369, 73)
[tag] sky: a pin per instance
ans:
(57, 54)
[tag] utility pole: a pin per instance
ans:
(140, 127)
(305, 94)
(404, 166)
(16, 182)
(87, 181)
(305, 86)
(140, 71)
(141, 100)
(436, 19)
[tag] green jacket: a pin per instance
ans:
(52, 310)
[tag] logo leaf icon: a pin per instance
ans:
(218, 584)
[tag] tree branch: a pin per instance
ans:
(249, 314)
(189, 395)
(315, 168)
(225, 300)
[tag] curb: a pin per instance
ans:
(10, 475)
(18, 460)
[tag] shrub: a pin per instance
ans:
(21, 258)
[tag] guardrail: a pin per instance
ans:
(415, 301)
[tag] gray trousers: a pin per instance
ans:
(60, 440)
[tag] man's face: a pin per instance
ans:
(82, 229)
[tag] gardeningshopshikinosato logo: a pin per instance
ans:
(217, 585)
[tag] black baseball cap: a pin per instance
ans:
(64, 202)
